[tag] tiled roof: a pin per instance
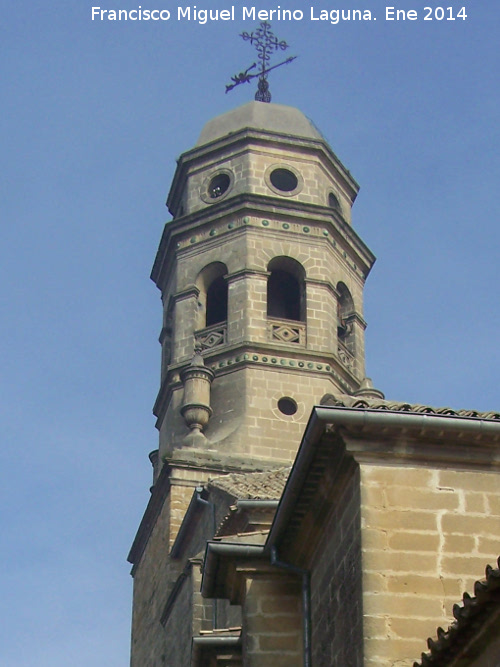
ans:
(471, 618)
(267, 485)
(396, 406)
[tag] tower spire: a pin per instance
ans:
(265, 43)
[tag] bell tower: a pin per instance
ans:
(261, 278)
(261, 271)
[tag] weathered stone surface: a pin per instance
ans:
(428, 533)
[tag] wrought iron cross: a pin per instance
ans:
(265, 43)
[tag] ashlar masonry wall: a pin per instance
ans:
(427, 535)
(151, 579)
(156, 575)
(336, 594)
(321, 535)
(272, 628)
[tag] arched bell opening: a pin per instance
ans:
(216, 308)
(286, 289)
(345, 315)
(286, 301)
(211, 320)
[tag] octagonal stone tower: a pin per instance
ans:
(262, 271)
(261, 278)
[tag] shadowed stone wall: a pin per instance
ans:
(336, 580)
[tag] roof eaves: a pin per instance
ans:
(470, 620)
(205, 645)
(216, 552)
(194, 507)
(378, 422)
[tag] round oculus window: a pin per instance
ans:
(284, 179)
(218, 186)
(287, 406)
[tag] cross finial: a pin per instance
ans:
(265, 43)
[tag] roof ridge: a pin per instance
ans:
(400, 406)
(467, 615)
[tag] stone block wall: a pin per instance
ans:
(152, 579)
(321, 317)
(246, 250)
(427, 536)
(272, 622)
(178, 628)
(258, 428)
(246, 420)
(188, 615)
(184, 482)
(251, 167)
(247, 246)
(336, 594)
(246, 323)
(167, 598)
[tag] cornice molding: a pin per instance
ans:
(280, 357)
(388, 437)
(245, 138)
(246, 205)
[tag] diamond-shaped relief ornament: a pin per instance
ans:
(214, 339)
(286, 334)
(211, 339)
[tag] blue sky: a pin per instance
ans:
(93, 116)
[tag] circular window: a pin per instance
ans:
(287, 406)
(218, 185)
(284, 179)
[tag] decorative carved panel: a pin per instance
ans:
(286, 331)
(345, 356)
(212, 336)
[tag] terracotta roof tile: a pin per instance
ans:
(267, 485)
(470, 618)
(396, 406)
